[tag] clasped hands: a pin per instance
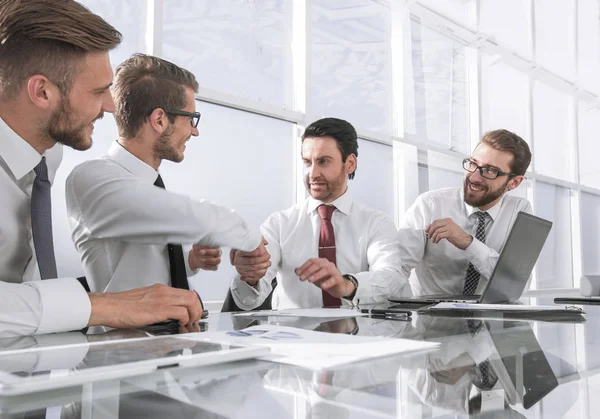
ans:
(252, 266)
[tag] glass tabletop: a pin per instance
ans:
(483, 368)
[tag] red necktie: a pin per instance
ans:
(327, 248)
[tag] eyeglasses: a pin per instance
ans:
(485, 171)
(194, 116)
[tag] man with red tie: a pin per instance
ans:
(328, 250)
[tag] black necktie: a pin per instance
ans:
(473, 275)
(176, 259)
(41, 222)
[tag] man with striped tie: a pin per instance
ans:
(452, 237)
(328, 250)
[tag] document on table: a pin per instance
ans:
(313, 350)
(330, 313)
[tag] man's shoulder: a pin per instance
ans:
(516, 202)
(439, 195)
(98, 163)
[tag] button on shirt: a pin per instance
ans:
(441, 268)
(36, 306)
(366, 247)
(121, 223)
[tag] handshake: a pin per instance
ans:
(251, 265)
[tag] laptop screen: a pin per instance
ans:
(517, 258)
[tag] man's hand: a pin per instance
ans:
(251, 265)
(203, 257)
(144, 306)
(446, 228)
(326, 276)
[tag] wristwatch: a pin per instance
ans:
(352, 279)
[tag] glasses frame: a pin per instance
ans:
(194, 116)
(480, 168)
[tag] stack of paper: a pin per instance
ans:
(314, 350)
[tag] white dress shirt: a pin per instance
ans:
(122, 223)
(441, 268)
(366, 243)
(35, 307)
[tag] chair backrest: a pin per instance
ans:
(229, 304)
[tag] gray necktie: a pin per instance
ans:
(41, 221)
(473, 275)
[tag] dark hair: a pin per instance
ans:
(48, 37)
(504, 140)
(341, 131)
(144, 83)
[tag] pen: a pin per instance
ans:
(385, 312)
(390, 317)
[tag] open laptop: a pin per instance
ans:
(511, 273)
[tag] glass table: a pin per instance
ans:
(483, 368)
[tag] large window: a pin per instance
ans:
(241, 48)
(436, 90)
(504, 97)
(555, 268)
(553, 139)
(351, 63)
(508, 24)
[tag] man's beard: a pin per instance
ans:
(489, 197)
(163, 149)
(62, 129)
(334, 186)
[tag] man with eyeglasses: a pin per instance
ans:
(129, 230)
(452, 237)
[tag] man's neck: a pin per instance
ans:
(26, 128)
(491, 204)
(141, 150)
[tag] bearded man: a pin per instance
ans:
(452, 237)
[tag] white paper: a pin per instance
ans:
(313, 350)
(330, 313)
(502, 307)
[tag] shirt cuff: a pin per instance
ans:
(253, 241)
(188, 270)
(65, 305)
(246, 296)
(477, 250)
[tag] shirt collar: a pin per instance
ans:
(18, 154)
(492, 212)
(130, 162)
(343, 203)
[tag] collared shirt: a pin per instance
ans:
(366, 247)
(441, 268)
(36, 306)
(121, 223)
